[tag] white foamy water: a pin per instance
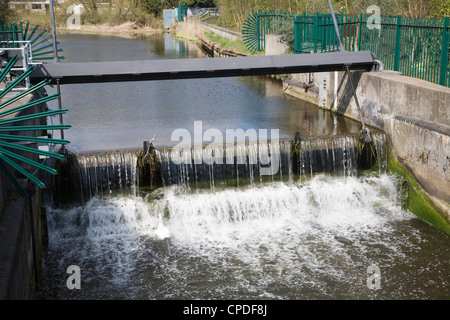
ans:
(281, 241)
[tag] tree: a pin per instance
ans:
(156, 7)
(231, 9)
(409, 8)
(199, 3)
(5, 11)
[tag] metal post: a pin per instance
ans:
(398, 37)
(341, 46)
(60, 107)
(259, 31)
(296, 35)
(316, 31)
(360, 32)
(365, 131)
(444, 53)
(52, 17)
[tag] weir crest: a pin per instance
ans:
(87, 175)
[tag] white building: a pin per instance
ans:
(39, 6)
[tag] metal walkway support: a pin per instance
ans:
(95, 72)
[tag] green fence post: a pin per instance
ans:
(360, 31)
(316, 32)
(444, 54)
(296, 35)
(264, 29)
(397, 44)
(259, 31)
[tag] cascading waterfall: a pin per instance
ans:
(105, 172)
(308, 239)
(379, 142)
(226, 165)
(337, 155)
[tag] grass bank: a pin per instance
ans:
(235, 46)
(105, 22)
(192, 30)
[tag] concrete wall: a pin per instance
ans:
(22, 230)
(224, 33)
(20, 249)
(275, 45)
(214, 50)
(414, 113)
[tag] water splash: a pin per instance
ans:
(278, 240)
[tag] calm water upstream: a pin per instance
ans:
(122, 115)
(315, 239)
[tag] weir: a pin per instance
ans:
(215, 166)
(103, 173)
(227, 164)
(282, 240)
(340, 155)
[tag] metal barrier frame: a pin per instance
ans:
(26, 53)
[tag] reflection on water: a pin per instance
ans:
(121, 115)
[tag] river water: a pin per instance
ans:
(112, 116)
(319, 238)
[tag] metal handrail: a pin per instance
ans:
(27, 60)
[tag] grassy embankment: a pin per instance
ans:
(193, 31)
(94, 22)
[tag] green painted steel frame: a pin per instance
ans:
(261, 23)
(11, 144)
(11, 33)
(182, 12)
(416, 47)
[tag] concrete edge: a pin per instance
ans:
(10, 226)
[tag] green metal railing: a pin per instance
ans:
(261, 23)
(20, 162)
(416, 47)
(16, 158)
(182, 12)
(41, 44)
(316, 33)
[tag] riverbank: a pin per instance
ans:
(215, 40)
(105, 28)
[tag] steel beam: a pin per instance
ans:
(94, 72)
